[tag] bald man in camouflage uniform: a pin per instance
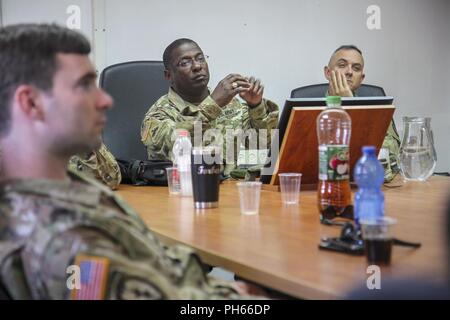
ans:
(189, 101)
(345, 73)
(62, 235)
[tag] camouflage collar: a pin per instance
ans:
(76, 175)
(178, 101)
(70, 191)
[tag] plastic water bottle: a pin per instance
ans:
(181, 158)
(369, 175)
(334, 127)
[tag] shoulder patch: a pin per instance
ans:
(145, 130)
(93, 278)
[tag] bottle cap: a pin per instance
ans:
(368, 149)
(333, 100)
(183, 133)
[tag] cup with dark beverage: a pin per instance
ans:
(378, 238)
(205, 166)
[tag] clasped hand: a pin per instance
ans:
(249, 89)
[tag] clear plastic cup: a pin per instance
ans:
(249, 195)
(173, 180)
(378, 238)
(290, 187)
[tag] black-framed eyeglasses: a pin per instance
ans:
(187, 62)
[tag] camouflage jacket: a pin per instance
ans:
(390, 158)
(48, 229)
(99, 164)
(171, 112)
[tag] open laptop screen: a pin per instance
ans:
(314, 103)
(317, 102)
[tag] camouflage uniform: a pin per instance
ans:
(99, 164)
(392, 144)
(171, 112)
(47, 225)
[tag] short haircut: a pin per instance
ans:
(167, 55)
(28, 56)
(348, 47)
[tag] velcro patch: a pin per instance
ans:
(94, 277)
(145, 131)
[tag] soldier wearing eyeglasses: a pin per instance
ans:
(189, 100)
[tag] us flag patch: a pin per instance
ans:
(93, 278)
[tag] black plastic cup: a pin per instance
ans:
(205, 168)
(378, 239)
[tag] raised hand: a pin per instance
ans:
(253, 96)
(229, 87)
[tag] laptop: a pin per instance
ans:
(297, 137)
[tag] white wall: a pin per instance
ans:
(22, 11)
(286, 43)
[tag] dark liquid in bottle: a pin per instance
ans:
(334, 200)
(378, 251)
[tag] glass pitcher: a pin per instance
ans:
(417, 154)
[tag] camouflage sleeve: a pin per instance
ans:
(389, 155)
(162, 119)
(111, 270)
(156, 133)
(263, 116)
(99, 164)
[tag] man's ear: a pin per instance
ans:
(327, 73)
(362, 77)
(167, 75)
(29, 100)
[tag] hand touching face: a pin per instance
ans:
(350, 65)
(338, 85)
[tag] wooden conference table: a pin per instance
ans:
(279, 247)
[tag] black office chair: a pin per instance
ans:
(135, 86)
(320, 90)
(4, 293)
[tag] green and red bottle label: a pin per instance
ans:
(334, 162)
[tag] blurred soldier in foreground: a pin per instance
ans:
(63, 235)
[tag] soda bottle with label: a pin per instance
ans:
(333, 134)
